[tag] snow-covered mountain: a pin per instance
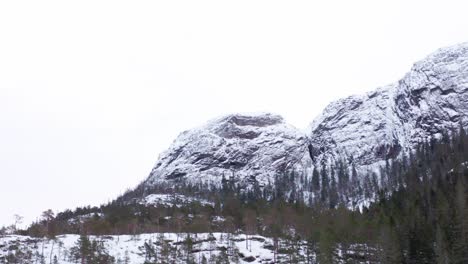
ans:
(365, 130)
(253, 150)
(243, 147)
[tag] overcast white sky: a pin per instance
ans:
(92, 91)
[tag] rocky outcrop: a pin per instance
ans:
(245, 147)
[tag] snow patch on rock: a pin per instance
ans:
(170, 200)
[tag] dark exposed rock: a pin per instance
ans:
(249, 259)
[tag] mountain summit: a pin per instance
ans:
(247, 147)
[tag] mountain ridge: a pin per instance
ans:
(428, 100)
(363, 132)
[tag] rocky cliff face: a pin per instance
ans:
(430, 99)
(245, 147)
(365, 130)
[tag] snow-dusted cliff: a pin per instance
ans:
(365, 129)
(430, 99)
(245, 147)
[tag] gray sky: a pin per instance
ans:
(92, 91)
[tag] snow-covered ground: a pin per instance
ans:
(82, 218)
(132, 248)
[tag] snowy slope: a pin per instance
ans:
(131, 249)
(259, 249)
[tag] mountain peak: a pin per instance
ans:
(246, 126)
(245, 146)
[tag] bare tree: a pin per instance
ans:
(18, 221)
(250, 223)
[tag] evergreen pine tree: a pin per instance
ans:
(324, 185)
